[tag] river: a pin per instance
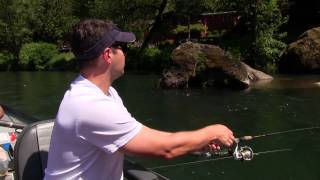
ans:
(288, 102)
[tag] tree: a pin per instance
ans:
(24, 21)
(13, 30)
(268, 43)
(81, 8)
(53, 19)
(263, 20)
(130, 15)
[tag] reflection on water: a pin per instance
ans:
(285, 103)
(35, 93)
(285, 82)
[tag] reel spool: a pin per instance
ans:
(244, 153)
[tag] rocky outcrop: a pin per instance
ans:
(207, 65)
(303, 55)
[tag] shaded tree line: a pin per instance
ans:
(32, 31)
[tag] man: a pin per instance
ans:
(3, 115)
(1, 112)
(94, 130)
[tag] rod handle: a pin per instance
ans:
(243, 138)
(11, 125)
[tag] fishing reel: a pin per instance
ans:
(243, 153)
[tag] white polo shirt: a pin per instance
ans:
(89, 129)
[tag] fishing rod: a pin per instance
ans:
(218, 158)
(248, 138)
(244, 153)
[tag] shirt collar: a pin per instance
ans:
(82, 81)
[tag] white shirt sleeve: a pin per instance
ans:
(107, 125)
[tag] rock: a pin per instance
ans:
(207, 65)
(174, 78)
(256, 75)
(303, 55)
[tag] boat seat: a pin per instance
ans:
(31, 154)
(31, 151)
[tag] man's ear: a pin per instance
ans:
(106, 55)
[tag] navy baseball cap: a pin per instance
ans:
(112, 36)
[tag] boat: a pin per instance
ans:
(26, 141)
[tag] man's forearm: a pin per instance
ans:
(167, 145)
(181, 143)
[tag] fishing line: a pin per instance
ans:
(215, 159)
(272, 151)
(188, 163)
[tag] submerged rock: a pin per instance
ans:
(197, 64)
(303, 55)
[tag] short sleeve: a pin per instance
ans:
(107, 125)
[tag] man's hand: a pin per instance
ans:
(220, 136)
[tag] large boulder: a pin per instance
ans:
(207, 65)
(303, 55)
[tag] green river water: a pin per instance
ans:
(287, 102)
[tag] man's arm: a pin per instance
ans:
(151, 142)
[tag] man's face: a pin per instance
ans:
(117, 62)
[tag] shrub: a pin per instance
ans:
(44, 56)
(61, 61)
(268, 41)
(193, 27)
(6, 59)
(152, 58)
(36, 55)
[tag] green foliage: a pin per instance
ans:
(193, 8)
(61, 61)
(147, 60)
(81, 8)
(201, 65)
(45, 56)
(26, 21)
(193, 27)
(152, 58)
(6, 59)
(140, 16)
(268, 43)
(52, 19)
(37, 55)
(13, 26)
(151, 52)
(131, 15)
(268, 47)
(262, 20)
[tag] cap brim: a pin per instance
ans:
(128, 37)
(116, 35)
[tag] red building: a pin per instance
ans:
(220, 20)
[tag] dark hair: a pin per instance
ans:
(86, 34)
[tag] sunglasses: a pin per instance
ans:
(120, 45)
